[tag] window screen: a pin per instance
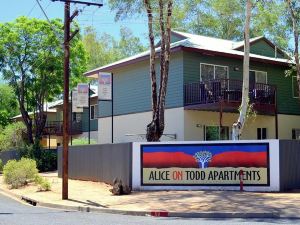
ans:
(220, 72)
(207, 72)
(261, 77)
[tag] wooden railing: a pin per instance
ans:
(227, 90)
(56, 128)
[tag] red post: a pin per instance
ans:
(241, 173)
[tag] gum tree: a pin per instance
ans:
(294, 19)
(238, 126)
(31, 61)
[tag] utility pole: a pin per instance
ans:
(67, 38)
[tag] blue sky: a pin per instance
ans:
(102, 19)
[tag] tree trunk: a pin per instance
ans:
(151, 128)
(239, 125)
(156, 127)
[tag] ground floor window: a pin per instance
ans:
(261, 133)
(216, 133)
(296, 134)
(93, 112)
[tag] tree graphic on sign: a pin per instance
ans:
(203, 157)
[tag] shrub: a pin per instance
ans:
(11, 137)
(46, 160)
(83, 141)
(1, 166)
(19, 173)
(43, 183)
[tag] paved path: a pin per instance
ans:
(15, 213)
(97, 195)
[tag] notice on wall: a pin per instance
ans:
(205, 164)
(75, 103)
(83, 95)
(105, 86)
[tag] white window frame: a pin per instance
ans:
(95, 116)
(293, 91)
(214, 65)
(261, 72)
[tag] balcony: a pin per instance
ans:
(56, 128)
(226, 95)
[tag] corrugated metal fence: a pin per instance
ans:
(289, 164)
(99, 162)
(8, 155)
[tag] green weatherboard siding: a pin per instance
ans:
(132, 88)
(263, 48)
(85, 122)
(286, 103)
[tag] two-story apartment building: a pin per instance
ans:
(81, 124)
(204, 92)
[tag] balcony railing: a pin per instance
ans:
(229, 91)
(56, 128)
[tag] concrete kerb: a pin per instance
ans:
(147, 213)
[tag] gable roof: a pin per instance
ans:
(195, 43)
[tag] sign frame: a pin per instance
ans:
(83, 98)
(267, 144)
(105, 89)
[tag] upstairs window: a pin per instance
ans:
(258, 77)
(212, 72)
(295, 87)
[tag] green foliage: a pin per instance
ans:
(8, 104)
(217, 18)
(1, 166)
(83, 141)
(31, 63)
(19, 173)
(46, 160)
(105, 49)
(29, 47)
(12, 136)
(43, 183)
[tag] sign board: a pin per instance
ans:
(83, 95)
(205, 164)
(75, 107)
(105, 86)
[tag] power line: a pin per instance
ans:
(28, 14)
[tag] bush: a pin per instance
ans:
(46, 160)
(19, 173)
(43, 183)
(83, 141)
(11, 137)
(1, 166)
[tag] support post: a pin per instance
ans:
(66, 101)
(276, 115)
(112, 108)
(71, 125)
(89, 114)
